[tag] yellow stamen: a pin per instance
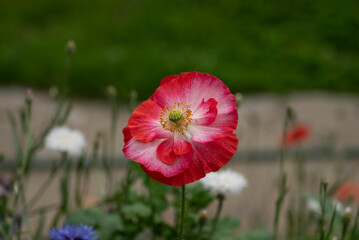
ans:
(176, 117)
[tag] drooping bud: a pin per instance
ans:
(175, 115)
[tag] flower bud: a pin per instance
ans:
(203, 217)
(347, 215)
(111, 91)
(290, 112)
(239, 98)
(53, 92)
(324, 184)
(70, 47)
(221, 197)
(133, 95)
(29, 96)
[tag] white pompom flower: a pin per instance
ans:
(225, 182)
(66, 140)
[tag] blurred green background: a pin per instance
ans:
(252, 45)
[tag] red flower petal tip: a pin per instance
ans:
(349, 190)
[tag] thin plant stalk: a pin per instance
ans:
(183, 210)
(355, 226)
(78, 181)
(91, 164)
(108, 162)
(220, 198)
(65, 190)
(323, 199)
(70, 49)
(331, 226)
(282, 188)
(18, 185)
(301, 175)
(46, 184)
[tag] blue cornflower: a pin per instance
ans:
(73, 232)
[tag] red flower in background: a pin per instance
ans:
(297, 134)
(184, 130)
(349, 190)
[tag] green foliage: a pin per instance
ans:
(258, 234)
(251, 45)
(107, 224)
(137, 210)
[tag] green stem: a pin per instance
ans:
(301, 175)
(355, 226)
(46, 184)
(323, 199)
(282, 189)
(19, 191)
(183, 209)
(218, 212)
(200, 231)
(65, 190)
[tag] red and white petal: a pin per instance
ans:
(146, 155)
(206, 113)
(203, 134)
(193, 88)
(144, 122)
(168, 79)
(172, 148)
(208, 157)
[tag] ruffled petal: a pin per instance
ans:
(208, 157)
(193, 88)
(203, 134)
(172, 148)
(206, 113)
(144, 122)
(168, 79)
(146, 155)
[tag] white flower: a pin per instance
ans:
(66, 140)
(339, 206)
(224, 182)
(314, 206)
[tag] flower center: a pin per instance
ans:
(176, 117)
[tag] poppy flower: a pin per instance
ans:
(184, 130)
(349, 190)
(297, 134)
